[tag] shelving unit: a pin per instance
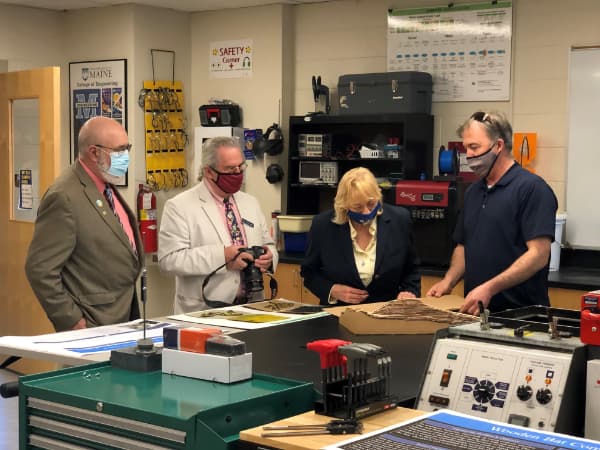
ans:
(414, 133)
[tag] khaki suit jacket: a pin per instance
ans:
(191, 241)
(80, 262)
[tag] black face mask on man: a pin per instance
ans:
(482, 165)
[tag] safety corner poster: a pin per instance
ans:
(466, 48)
(231, 59)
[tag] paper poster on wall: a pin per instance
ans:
(525, 149)
(97, 88)
(231, 59)
(25, 189)
(466, 48)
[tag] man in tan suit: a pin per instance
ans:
(196, 236)
(86, 253)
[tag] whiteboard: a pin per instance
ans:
(583, 152)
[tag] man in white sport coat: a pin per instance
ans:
(195, 235)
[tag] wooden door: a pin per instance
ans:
(21, 313)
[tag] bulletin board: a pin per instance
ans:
(466, 49)
(583, 158)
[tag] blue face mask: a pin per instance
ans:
(119, 163)
(364, 218)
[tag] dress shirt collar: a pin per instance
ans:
(372, 229)
(99, 182)
(218, 198)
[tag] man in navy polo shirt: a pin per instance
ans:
(505, 230)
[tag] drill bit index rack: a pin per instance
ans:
(356, 379)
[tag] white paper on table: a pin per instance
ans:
(87, 342)
(221, 321)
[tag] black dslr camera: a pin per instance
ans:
(253, 276)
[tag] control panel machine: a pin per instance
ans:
(519, 376)
(434, 207)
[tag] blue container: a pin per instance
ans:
(295, 242)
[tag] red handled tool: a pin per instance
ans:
(333, 364)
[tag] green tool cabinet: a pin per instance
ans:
(100, 407)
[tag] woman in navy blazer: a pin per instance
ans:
(362, 250)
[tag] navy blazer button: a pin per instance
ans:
(376, 276)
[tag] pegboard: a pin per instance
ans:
(166, 135)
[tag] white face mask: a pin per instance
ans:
(482, 164)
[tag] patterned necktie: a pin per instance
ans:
(234, 228)
(108, 193)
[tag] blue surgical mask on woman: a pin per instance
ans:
(364, 218)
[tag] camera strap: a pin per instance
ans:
(236, 301)
(272, 284)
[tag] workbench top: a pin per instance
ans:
(316, 442)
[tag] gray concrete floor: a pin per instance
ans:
(9, 416)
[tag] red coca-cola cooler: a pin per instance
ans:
(434, 207)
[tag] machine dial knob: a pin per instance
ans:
(543, 396)
(484, 391)
(524, 392)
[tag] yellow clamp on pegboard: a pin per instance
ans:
(166, 135)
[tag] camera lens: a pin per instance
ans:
(254, 279)
(253, 276)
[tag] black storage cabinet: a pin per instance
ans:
(415, 134)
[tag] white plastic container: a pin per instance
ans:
(369, 153)
(561, 219)
(294, 224)
(295, 232)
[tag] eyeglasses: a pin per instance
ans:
(484, 117)
(231, 169)
(122, 148)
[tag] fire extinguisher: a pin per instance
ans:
(146, 204)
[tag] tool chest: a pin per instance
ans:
(385, 92)
(99, 406)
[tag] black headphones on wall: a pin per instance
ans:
(274, 173)
(271, 142)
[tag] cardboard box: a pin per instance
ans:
(358, 319)
(202, 366)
